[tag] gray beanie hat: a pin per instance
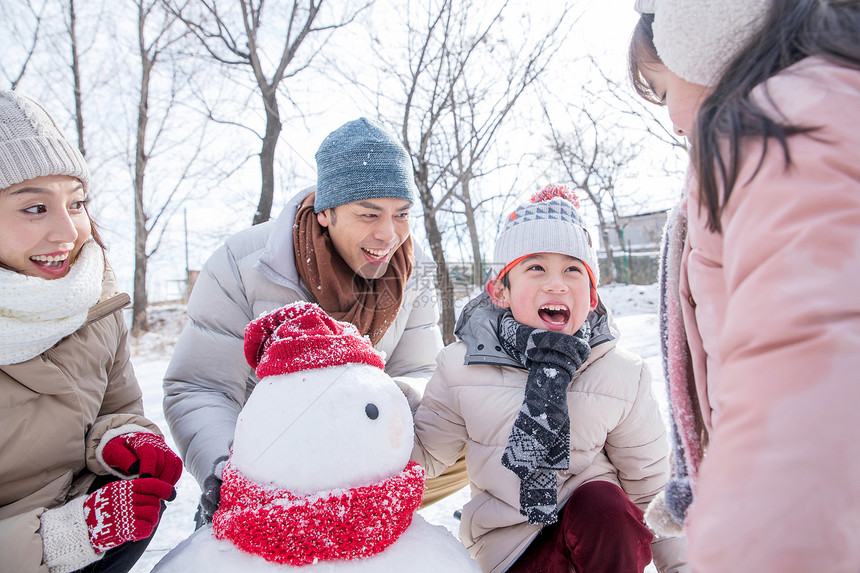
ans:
(549, 223)
(361, 160)
(31, 144)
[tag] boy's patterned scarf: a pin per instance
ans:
(539, 443)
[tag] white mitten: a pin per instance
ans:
(659, 520)
(65, 538)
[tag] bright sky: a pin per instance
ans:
(602, 31)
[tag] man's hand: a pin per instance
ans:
(210, 499)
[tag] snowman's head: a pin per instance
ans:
(324, 415)
(342, 426)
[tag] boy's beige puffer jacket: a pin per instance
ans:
(617, 435)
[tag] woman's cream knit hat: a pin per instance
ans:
(697, 39)
(31, 144)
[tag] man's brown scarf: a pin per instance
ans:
(371, 305)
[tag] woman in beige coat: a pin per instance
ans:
(82, 472)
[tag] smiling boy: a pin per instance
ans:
(564, 441)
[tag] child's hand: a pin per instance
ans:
(143, 453)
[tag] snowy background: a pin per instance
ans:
(634, 306)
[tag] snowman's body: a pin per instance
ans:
(423, 548)
(311, 433)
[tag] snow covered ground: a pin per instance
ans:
(634, 306)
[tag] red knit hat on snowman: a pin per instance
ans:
(301, 336)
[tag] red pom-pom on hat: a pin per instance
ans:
(301, 336)
(552, 191)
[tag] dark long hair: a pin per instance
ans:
(640, 54)
(794, 30)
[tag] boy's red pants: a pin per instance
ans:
(599, 531)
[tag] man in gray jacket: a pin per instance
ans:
(345, 245)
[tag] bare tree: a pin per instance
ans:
(24, 20)
(76, 76)
(236, 41)
(593, 161)
(616, 95)
(473, 136)
(462, 77)
(596, 141)
(158, 30)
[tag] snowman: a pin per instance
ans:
(319, 477)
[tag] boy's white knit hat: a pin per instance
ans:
(31, 144)
(549, 223)
(697, 39)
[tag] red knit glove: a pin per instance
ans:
(145, 454)
(124, 511)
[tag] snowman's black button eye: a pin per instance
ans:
(372, 411)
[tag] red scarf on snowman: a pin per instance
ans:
(346, 523)
(303, 529)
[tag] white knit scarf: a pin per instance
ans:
(36, 313)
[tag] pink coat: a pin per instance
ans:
(772, 311)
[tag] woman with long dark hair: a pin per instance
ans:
(760, 313)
